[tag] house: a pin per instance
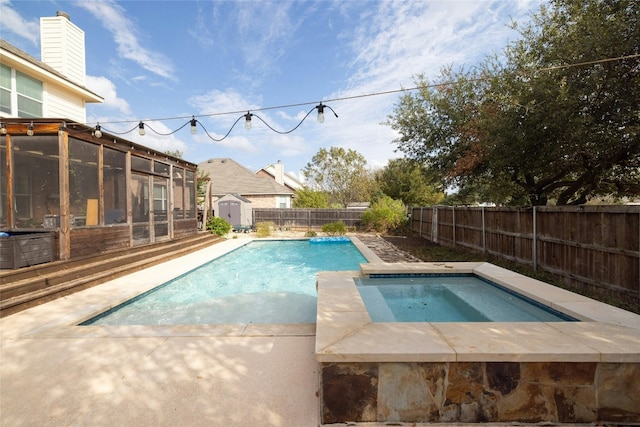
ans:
(276, 172)
(229, 177)
(95, 192)
(53, 87)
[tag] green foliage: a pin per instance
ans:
(308, 198)
(527, 129)
(335, 228)
(218, 225)
(203, 182)
(264, 229)
(341, 173)
(384, 215)
(310, 233)
(409, 181)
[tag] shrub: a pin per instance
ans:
(263, 229)
(310, 233)
(384, 215)
(218, 225)
(335, 228)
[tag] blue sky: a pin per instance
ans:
(155, 60)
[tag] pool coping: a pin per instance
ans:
(345, 332)
(77, 308)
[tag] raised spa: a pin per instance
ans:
(448, 298)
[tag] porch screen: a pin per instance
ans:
(84, 192)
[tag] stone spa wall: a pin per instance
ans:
(472, 392)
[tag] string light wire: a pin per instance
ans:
(190, 119)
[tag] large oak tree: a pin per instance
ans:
(557, 118)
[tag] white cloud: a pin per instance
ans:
(122, 28)
(107, 89)
(390, 46)
(13, 22)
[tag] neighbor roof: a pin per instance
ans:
(228, 176)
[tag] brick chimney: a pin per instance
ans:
(62, 47)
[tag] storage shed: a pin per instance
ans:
(236, 210)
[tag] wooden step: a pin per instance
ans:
(44, 284)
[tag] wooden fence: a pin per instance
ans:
(307, 218)
(589, 246)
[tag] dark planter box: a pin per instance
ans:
(25, 248)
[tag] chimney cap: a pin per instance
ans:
(63, 14)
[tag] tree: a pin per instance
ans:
(410, 182)
(531, 129)
(341, 173)
(175, 153)
(307, 198)
(384, 215)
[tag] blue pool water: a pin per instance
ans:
(446, 298)
(261, 282)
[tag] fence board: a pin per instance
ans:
(307, 218)
(594, 246)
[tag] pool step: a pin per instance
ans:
(24, 288)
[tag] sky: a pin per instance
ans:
(162, 62)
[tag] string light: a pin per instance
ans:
(3, 129)
(194, 122)
(141, 131)
(97, 131)
(30, 130)
(247, 120)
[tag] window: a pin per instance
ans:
(20, 95)
(29, 92)
(5, 89)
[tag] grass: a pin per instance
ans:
(431, 252)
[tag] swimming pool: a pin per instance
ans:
(448, 298)
(261, 282)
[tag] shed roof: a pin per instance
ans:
(228, 176)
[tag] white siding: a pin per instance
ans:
(59, 103)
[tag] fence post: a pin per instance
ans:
(484, 234)
(534, 252)
(454, 226)
(420, 225)
(434, 225)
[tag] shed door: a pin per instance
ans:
(230, 210)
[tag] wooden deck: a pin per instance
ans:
(30, 286)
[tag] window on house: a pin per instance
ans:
(5, 89)
(29, 91)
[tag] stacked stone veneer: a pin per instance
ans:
(480, 392)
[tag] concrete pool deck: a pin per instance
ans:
(53, 373)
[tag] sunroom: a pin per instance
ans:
(92, 192)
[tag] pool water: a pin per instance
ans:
(261, 282)
(446, 298)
